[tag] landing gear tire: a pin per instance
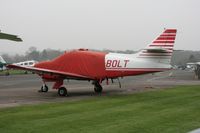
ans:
(44, 88)
(98, 88)
(62, 91)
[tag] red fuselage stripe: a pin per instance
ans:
(139, 69)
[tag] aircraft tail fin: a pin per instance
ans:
(2, 60)
(161, 48)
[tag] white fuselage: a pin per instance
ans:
(115, 61)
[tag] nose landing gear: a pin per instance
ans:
(44, 88)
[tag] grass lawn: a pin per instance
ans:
(174, 110)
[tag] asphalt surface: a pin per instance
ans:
(23, 89)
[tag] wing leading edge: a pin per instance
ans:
(10, 37)
(42, 71)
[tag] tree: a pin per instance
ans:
(44, 55)
(192, 58)
(33, 54)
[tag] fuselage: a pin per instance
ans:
(100, 65)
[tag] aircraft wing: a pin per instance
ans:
(10, 37)
(42, 71)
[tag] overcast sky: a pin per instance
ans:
(97, 24)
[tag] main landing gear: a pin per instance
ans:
(62, 91)
(97, 87)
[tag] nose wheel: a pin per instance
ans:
(62, 91)
(44, 88)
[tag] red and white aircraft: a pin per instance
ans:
(94, 66)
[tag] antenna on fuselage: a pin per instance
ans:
(120, 86)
